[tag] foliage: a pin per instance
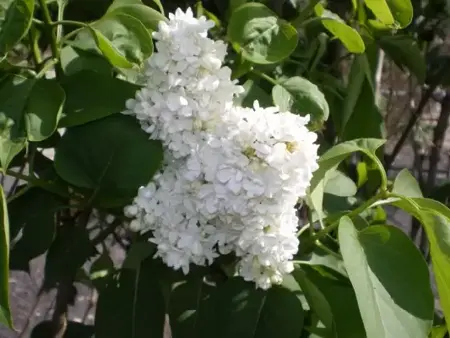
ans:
(355, 275)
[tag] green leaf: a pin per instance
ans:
(147, 15)
(406, 185)
(84, 105)
(188, 300)
(73, 330)
(37, 225)
(316, 301)
(139, 251)
(435, 218)
(340, 296)
(14, 92)
(252, 92)
(238, 309)
(438, 332)
(300, 96)
(334, 156)
(339, 184)
(349, 37)
(381, 11)
(44, 109)
(260, 35)
(74, 60)
(356, 78)
(70, 249)
(15, 20)
(376, 258)
(402, 11)
(131, 305)
(5, 312)
(98, 156)
(405, 52)
(121, 38)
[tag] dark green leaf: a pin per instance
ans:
(349, 37)
(435, 218)
(85, 105)
(98, 156)
(260, 35)
(381, 11)
(37, 224)
(406, 185)
(405, 52)
(44, 109)
(376, 258)
(340, 296)
(101, 269)
(131, 305)
(74, 60)
(5, 312)
(188, 299)
(74, 330)
(253, 92)
(300, 96)
(138, 252)
(238, 309)
(316, 301)
(15, 20)
(68, 252)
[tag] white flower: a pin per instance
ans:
(232, 175)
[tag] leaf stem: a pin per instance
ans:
(46, 67)
(53, 38)
(265, 77)
(322, 233)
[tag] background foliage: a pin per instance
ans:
(67, 69)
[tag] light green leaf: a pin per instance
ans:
(339, 184)
(376, 258)
(260, 35)
(98, 156)
(14, 92)
(406, 185)
(84, 105)
(121, 38)
(147, 15)
(349, 37)
(131, 305)
(5, 312)
(44, 109)
(300, 96)
(402, 11)
(381, 11)
(438, 332)
(405, 52)
(15, 20)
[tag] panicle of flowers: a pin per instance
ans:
(232, 175)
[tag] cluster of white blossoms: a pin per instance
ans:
(231, 176)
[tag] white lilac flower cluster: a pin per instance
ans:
(232, 176)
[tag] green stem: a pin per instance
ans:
(37, 183)
(35, 50)
(46, 67)
(265, 76)
(53, 38)
(322, 233)
(69, 23)
(328, 250)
